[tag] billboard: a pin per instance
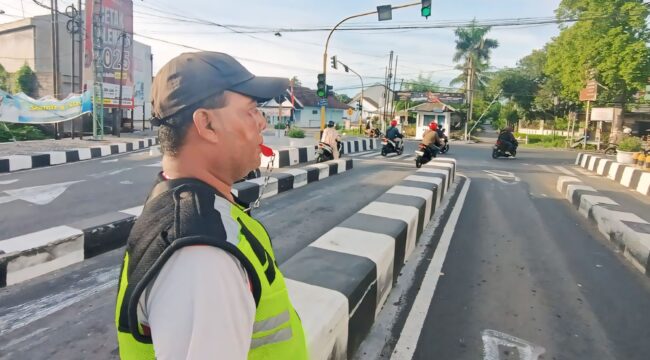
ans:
(117, 26)
(433, 97)
(22, 109)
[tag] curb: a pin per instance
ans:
(31, 255)
(359, 261)
(629, 232)
(49, 158)
(627, 175)
(304, 154)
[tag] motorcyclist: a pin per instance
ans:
(331, 137)
(508, 141)
(393, 134)
(431, 138)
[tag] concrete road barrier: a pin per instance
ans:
(35, 254)
(292, 156)
(627, 231)
(629, 176)
(42, 159)
(354, 265)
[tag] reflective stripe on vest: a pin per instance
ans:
(277, 331)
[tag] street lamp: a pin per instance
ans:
(383, 9)
(348, 69)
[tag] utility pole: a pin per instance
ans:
(327, 42)
(73, 26)
(392, 101)
(117, 125)
(389, 77)
(55, 56)
(470, 95)
(98, 85)
(80, 55)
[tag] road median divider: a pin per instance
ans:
(31, 255)
(291, 156)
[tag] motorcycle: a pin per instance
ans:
(390, 146)
(424, 154)
(499, 151)
(376, 133)
(444, 139)
(325, 151)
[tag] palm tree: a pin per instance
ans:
(473, 49)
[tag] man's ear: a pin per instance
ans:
(203, 125)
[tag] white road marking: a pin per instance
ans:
(39, 195)
(18, 316)
(110, 161)
(7, 182)
(156, 164)
(504, 177)
(564, 170)
(126, 182)
(371, 153)
(408, 339)
(585, 172)
(545, 168)
(23, 338)
(365, 153)
(109, 173)
(492, 339)
(402, 156)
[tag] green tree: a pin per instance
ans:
(473, 50)
(517, 86)
(25, 80)
(508, 116)
(4, 79)
(421, 84)
(296, 81)
(609, 43)
(343, 98)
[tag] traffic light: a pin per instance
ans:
(321, 87)
(330, 90)
(426, 8)
(359, 107)
(334, 62)
(347, 69)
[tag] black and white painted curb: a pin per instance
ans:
(628, 231)
(48, 158)
(28, 256)
(627, 175)
(339, 283)
(299, 155)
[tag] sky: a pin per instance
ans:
(423, 51)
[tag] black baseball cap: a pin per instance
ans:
(193, 77)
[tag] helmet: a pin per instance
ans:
(433, 126)
(330, 124)
(393, 123)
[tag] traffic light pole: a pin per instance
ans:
(322, 108)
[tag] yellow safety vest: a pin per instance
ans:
(277, 331)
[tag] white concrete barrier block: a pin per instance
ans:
(579, 158)
(644, 184)
(324, 316)
(408, 214)
(135, 211)
(379, 248)
(299, 177)
(562, 180)
(626, 180)
(265, 160)
(592, 163)
(155, 151)
(324, 170)
(56, 157)
(585, 160)
(431, 180)
(121, 147)
(84, 153)
(589, 201)
(341, 166)
(19, 162)
(105, 149)
(602, 165)
(271, 187)
(613, 170)
(425, 194)
(294, 156)
(572, 188)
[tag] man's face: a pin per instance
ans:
(239, 127)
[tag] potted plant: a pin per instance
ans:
(626, 149)
(279, 129)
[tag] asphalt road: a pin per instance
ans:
(68, 314)
(525, 268)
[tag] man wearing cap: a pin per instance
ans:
(199, 278)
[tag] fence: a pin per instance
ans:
(548, 132)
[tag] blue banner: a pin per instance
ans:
(22, 109)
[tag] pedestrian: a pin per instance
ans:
(199, 278)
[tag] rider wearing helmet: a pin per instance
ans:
(393, 134)
(431, 138)
(508, 141)
(331, 137)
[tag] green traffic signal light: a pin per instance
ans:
(426, 12)
(320, 92)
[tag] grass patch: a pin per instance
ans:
(296, 132)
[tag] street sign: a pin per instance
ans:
(590, 92)
(350, 111)
(322, 102)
